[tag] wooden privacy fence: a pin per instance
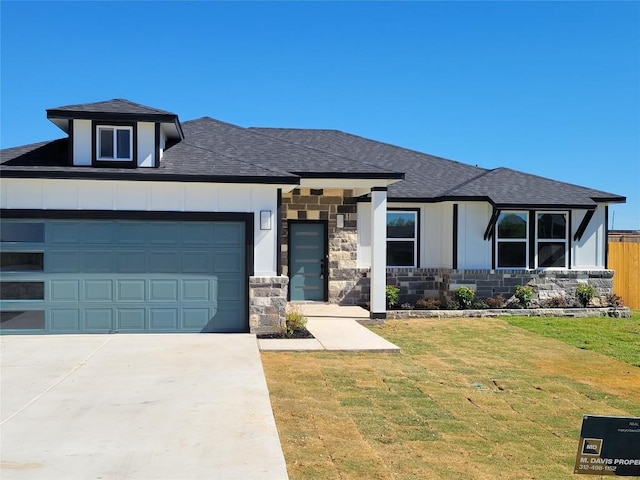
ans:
(624, 258)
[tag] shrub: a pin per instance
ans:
(479, 305)
(584, 293)
(391, 292)
(495, 302)
(427, 304)
(464, 296)
(294, 322)
(615, 300)
(407, 306)
(524, 294)
(453, 304)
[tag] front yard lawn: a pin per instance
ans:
(616, 337)
(466, 398)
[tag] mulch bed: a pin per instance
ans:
(303, 333)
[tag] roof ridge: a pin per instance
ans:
(467, 182)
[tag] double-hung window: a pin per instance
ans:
(551, 239)
(512, 239)
(114, 144)
(402, 238)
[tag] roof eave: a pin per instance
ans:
(90, 174)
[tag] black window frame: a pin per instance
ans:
(525, 240)
(416, 239)
(537, 240)
(97, 161)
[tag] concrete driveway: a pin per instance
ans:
(136, 407)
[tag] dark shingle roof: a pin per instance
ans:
(272, 153)
(215, 151)
(430, 178)
(115, 105)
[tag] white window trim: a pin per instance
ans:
(513, 240)
(414, 239)
(114, 129)
(553, 240)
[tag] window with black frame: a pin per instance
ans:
(551, 240)
(511, 239)
(402, 238)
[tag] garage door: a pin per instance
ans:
(106, 276)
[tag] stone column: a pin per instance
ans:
(378, 304)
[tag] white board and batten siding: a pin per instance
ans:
(474, 252)
(589, 252)
(436, 233)
(146, 143)
(111, 195)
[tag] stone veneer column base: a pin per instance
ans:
(267, 303)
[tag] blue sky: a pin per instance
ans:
(549, 88)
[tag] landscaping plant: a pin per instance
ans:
(584, 293)
(524, 294)
(294, 322)
(392, 292)
(464, 297)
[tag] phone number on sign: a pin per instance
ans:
(598, 468)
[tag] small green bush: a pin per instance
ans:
(479, 305)
(524, 294)
(464, 296)
(294, 322)
(584, 293)
(392, 292)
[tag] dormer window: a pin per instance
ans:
(115, 143)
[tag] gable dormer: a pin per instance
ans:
(116, 133)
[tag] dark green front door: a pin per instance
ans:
(308, 261)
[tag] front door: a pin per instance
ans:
(308, 261)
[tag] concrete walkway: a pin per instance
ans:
(336, 329)
(147, 407)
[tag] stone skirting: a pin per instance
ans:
(441, 283)
(617, 312)
(267, 303)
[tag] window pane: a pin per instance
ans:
(512, 254)
(552, 225)
(21, 290)
(124, 137)
(401, 225)
(19, 261)
(106, 142)
(551, 254)
(22, 232)
(512, 225)
(23, 320)
(400, 254)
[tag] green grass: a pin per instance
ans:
(467, 398)
(615, 337)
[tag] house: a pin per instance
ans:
(137, 222)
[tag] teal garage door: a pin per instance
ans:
(108, 276)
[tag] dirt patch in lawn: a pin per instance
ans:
(466, 398)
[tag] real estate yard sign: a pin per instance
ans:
(609, 446)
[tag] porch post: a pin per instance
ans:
(378, 304)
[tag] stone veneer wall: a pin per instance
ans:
(267, 303)
(326, 204)
(415, 283)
